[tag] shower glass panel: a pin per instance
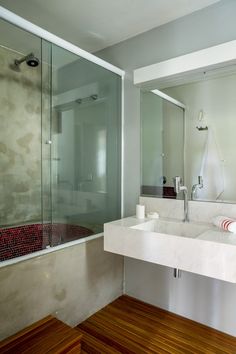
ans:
(85, 149)
(20, 143)
(162, 139)
(60, 145)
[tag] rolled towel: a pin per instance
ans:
(225, 223)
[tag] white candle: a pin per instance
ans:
(140, 211)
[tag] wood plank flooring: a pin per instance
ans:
(130, 326)
(47, 336)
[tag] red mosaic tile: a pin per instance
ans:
(21, 240)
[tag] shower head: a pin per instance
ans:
(30, 60)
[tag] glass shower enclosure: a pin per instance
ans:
(60, 144)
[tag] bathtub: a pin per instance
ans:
(26, 239)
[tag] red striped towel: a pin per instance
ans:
(225, 223)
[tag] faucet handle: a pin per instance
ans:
(200, 180)
(177, 183)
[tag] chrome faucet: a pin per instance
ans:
(179, 188)
(197, 186)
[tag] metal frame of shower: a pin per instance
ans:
(43, 34)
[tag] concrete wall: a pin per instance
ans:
(20, 142)
(71, 284)
(207, 27)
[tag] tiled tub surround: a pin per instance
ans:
(198, 246)
(25, 239)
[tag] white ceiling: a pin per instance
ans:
(97, 24)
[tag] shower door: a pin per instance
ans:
(60, 144)
(85, 144)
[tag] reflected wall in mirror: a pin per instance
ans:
(162, 140)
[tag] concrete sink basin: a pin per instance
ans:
(194, 247)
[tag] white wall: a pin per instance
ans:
(208, 27)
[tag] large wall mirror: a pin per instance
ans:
(197, 143)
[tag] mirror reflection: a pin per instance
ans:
(162, 127)
(209, 147)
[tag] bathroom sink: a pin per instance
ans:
(173, 227)
(195, 247)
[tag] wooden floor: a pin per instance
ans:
(130, 326)
(47, 336)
